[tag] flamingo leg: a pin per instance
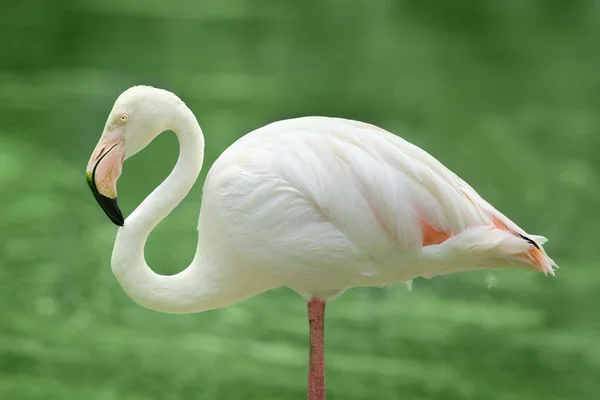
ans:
(316, 372)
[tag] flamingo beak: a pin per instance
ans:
(102, 173)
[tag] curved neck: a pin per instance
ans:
(177, 185)
(178, 293)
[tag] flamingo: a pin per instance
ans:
(315, 204)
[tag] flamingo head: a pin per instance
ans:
(139, 115)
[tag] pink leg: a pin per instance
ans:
(316, 372)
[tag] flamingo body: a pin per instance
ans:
(323, 204)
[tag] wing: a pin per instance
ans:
(365, 179)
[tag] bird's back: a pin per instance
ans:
(327, 201)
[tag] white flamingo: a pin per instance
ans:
(315, 204)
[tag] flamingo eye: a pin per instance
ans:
(123, 118)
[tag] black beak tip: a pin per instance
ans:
(108, 205)
(113, 211)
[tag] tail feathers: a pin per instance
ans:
(536, 256)
(491, 247)
(541, 261)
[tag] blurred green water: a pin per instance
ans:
(506, 94)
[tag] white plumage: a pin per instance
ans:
(353, 198)
(316, 204)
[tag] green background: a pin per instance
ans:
(505, 93)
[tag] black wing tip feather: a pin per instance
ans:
(530, 241)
